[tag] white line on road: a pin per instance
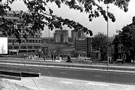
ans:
(99, 76)
(77, 68)
(67, 82)
(98, 84)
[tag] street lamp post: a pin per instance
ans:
(107, 38)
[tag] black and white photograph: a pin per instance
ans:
(67, 45)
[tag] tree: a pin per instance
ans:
(126, 37)
(100, 43)
(40, 15)
(116, 42)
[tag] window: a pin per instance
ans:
(23, 47)
(9, 47)
(29, 47)
(36, 47)
(23, 41)
(9, 41)
(16, 47)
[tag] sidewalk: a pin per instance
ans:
(53, 83)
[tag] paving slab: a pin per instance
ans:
(53, 83)
(6, 84)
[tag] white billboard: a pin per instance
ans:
(3, 45)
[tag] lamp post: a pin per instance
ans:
(107, 38)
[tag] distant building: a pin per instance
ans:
(84, 44)
(75, 35)
(47, 40)
(30, 46)
(61, 36)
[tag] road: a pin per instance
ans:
(82, 74)
(91, 75)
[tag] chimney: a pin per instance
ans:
(133, 20)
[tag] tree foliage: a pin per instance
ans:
(40, 15)
(100, 43)
(126, 37)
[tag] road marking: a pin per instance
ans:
(98, 76)
(98, 84)
(50, 74)
(67, 82)
(107, 71)
(63, 72)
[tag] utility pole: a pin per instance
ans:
(107, 38)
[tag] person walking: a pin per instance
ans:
(69, 59)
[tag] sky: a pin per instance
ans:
(97, 25)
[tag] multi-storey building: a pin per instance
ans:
(29, 46)
(75, 35)
(84, 44)
(61, 36)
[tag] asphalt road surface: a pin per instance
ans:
(89, 75)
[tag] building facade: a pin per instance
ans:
(75, 35)
(61, 36)
(84, 44)
(30, 46)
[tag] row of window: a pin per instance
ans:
(28, 36)
(25, 41)
(23, 47)
(35, 36)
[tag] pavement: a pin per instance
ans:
(6, 84)
(53, 83)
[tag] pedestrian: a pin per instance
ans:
(69, 59)
(52, 56)
(44, 57)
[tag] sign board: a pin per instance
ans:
(3, 45)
